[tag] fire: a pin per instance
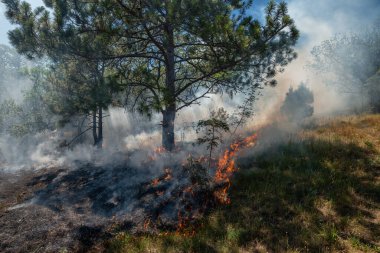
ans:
(166, 177)
(160, 150)
(181, 222)
(168, 174)
(183, 226)
(147, 223)
(155, 181)
(226, 166)
(188, 190)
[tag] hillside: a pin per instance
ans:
(319, 192)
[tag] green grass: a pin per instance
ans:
(320, 193)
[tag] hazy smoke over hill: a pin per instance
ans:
(318, 21)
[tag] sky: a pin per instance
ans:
(5, 26)
(316, 19)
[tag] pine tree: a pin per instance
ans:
(212, 130)
(170, 53)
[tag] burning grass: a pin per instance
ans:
(317, 193)
(226, 166)
(89, 203)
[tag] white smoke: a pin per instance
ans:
(317, 21)
(126, 132)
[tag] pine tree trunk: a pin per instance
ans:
(100, 128)
(168, 141)
(169, 113)
(94, 127)
(211, 147)
(97, 126)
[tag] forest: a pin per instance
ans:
(189, 126)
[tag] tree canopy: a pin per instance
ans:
(168, 54)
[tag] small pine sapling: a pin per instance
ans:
(212, 130)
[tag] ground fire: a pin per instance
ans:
(190, 191)
(226, 166)
(181, 194)
(108, 198)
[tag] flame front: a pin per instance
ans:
(166, 177)
(226, 167)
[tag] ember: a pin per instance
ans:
(147, 224)
(168, 174)
(155, 181)
(183, 226)
(160, 193)
(166, 177)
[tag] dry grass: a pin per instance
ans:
(364, 130)
(320, 193)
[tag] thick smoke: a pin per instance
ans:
(126, 133)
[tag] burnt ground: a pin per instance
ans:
(54, 209)
(57, 209)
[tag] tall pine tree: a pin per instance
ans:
(170, 53)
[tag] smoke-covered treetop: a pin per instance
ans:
(298, 103)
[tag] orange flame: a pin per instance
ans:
(189, 190)
(183, 228)
(146, 224)
(226, 167)
(167, 176)
(181, 222)
(155, 181)
(160, 150)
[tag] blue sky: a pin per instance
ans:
(325, 17)
(6, 26)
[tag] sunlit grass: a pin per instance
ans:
(320, 193)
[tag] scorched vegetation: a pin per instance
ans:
(317, 193)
